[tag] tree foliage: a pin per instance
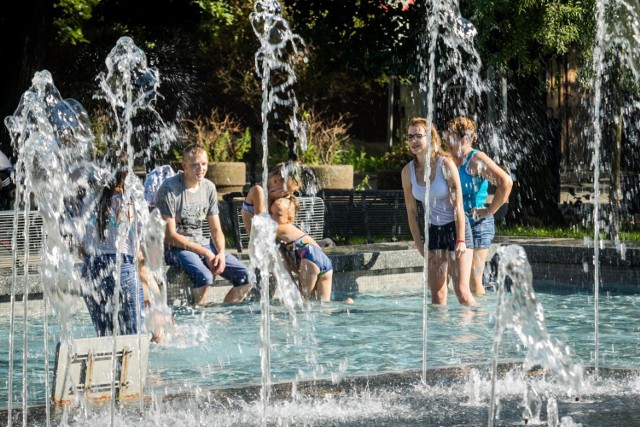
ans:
(208, 46)
(71, 19)
(521, 35)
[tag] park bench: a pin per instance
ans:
(33, 234)
(372, 214)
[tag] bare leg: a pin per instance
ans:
(460, 274)
(477, 271)
(308, 276)
(438, 276)
(199, 295)
(323, 286)
(149, 285)
(238, 293)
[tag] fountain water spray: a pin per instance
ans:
(54, 143)
(618, 36)
(130, 88)
(449, 61)
(274, 60)
(518, 310)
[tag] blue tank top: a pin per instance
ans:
(475, 189)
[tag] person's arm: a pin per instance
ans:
(255, 197)
(489, 170)
(217, 237)
(283, 234)
(149, 284)
(455, 190)
(175, 239)
(412, 209)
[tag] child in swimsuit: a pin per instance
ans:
(302, 253)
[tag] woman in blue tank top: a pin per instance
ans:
(449, 231)
(476, 171)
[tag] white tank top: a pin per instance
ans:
(440, 206)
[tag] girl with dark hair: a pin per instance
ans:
(102, 246)
(284, 179)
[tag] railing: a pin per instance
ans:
(373, 214)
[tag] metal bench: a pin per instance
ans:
(373, 214)
(33, 233)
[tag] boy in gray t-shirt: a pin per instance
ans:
(185, 201)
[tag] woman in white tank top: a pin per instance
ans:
(449, 231)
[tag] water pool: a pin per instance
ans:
(220, 346)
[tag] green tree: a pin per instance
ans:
(521, 35)
(71, 19)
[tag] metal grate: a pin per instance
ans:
(34, 232)
(344, 213)
(83, 368)
(310, 219)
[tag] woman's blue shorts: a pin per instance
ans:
(483, 232)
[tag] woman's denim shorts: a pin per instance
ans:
(483, 232)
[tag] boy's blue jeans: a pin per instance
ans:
(195, 267)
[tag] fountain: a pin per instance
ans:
(327, 364)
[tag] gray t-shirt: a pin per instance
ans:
(188, 208)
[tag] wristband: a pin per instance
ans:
(461, 241)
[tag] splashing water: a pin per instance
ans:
(130, 89)
(54, 143)
(532, 405)
(448, 59)
(274, 61)
(52, 139)
(615, 56)
(519, 311)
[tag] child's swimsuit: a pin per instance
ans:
(247, 207)
(299, 250)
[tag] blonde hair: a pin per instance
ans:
(292, 204)
(193, 150)
(463, 126)
(436, 142)
(291, 172)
